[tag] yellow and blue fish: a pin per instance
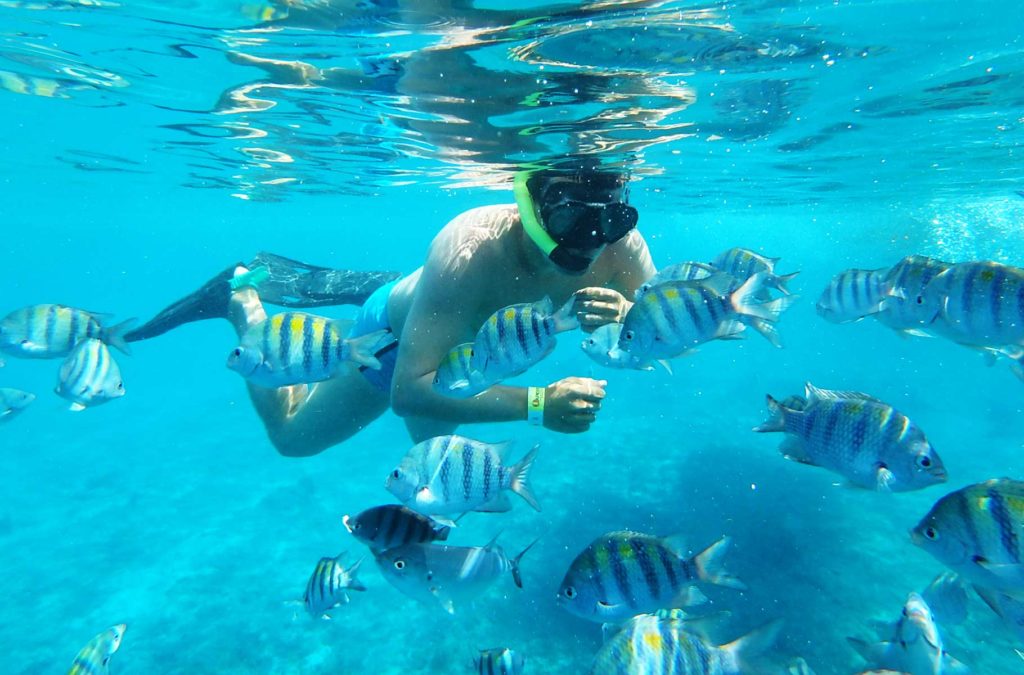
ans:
(95, 656)
(52, 331)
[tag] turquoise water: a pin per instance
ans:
(144, 152)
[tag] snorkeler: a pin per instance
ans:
(570, 233)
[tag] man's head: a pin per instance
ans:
(572, 214)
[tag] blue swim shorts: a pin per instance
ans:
(372, 316)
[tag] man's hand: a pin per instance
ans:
(571, 404)
(596, 306)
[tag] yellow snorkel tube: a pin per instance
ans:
(531, 224)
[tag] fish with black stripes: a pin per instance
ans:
(499, 661)
(13, 402)
(857, 436)
(742, 263)
(449, 576)
(853, 295)
(330, 584)
(516, 337)
(52, 331)
(978, 304)
(685, 271)
(621, 574)
(94, 658)
(391, 525)
(299, 348)
(656, 644)
(90, 376)
(978, 532)
(905, 308)
(455, 376)
(454, 474)
(601, 347)
(676, 317)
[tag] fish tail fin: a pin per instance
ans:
(565, 318)
(781, 282)
(777, 421)
(711, 569)
(514, 564)
(738, 652)
(114, 336)
(355, 584)
(363, 349)
(768, 330)
(519, 478)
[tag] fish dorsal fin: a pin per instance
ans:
(719, 283)
(545, 306)
(676, 545)
(816, 394)
(501, 448)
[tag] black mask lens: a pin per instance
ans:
(616, 221)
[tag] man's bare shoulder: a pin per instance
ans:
(473, 238)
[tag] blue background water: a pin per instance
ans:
(170, 511)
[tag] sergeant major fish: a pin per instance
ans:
(601, 346)
(742, 264)
(519, 336)
(329, 584)
(52, 331)
(905, 308)
(686, 271)
(455, 474)
(388, 526)
(499, 661)
(12, 402)
(298, 348)
(447, 575)
(675, 317)
(857, 436)
(978, 304)
(915, 646)
(89, 376)
(852, 295)
(94, 658)
(621, 574)
(455, 376)
(657, 645)
(978, 532)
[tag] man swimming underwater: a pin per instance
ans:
(571, 231)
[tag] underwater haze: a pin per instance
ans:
(149, 145)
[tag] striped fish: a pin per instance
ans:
(626, 573)
(675, 317)
(94, 658)
(90, 376)
(743, 263)
(853, 295)
(455, 376)
(686, 271)
(915, 646)
(979, 304)
(500, 661)
(657, 645)
(519, 336)
(299, 348)
(455, 474)
(857, 436)
(905, 309)
(12, 402)
(384, 527)
(978, 532)
(601, 346)
(52, 331)
(447, 575)
(328, 585)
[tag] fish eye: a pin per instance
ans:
(569, 592)
(920, 299)
(238, 351)
(396, 473)
(24, 342)
(931, 533)
(591, 341)
(628, 335)
(399, 564)
(357, 526)
(120, 385)
(924, 461)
